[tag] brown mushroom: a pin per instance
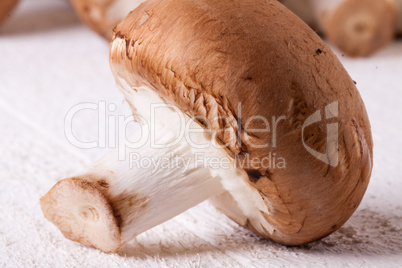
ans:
(241, 82)
(103, 15)
(357, 27)
(6, 6)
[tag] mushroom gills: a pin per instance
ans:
(205, 169)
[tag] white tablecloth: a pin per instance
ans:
(50, 62)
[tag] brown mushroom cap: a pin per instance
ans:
(6, 6)
(215, 58)
(361, 27)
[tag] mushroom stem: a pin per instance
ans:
(151, 184)
(357, 27)
(174, 166)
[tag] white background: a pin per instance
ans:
(50, 62)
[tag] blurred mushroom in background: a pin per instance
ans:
(103, 15)
(6, 6)
(358, 28)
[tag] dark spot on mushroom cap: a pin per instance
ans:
(318, 51)
(254, 175)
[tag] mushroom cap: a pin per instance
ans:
(6, 6)
(103, 15)
(238, 59)
(83, 214)
(359, 28)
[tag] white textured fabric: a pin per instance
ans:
(50, 62)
